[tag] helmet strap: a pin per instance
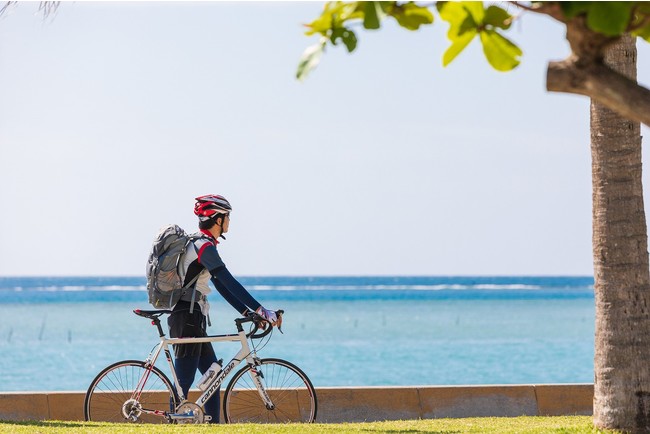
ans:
(221, 225)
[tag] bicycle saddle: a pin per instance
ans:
(151, 313)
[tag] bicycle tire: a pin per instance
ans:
(290, 389)
(114, 386)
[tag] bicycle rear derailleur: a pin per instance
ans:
(131, 410)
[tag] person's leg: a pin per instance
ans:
(211, 407)
(185, 371)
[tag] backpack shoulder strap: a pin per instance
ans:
(191, 239)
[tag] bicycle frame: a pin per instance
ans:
(244, 353)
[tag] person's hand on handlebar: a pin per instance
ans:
(272, 317)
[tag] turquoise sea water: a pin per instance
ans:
(57, 333)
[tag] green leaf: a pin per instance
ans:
(497, 17)
(468, 24)
(643, 8)
(310, 59)
(643, 33)
(573, 9)
(458, 17)
(475, 9)
(453, 13)
(333, 16)
(323, 23)
(347, 11)
(372, 15)
(320, 25)
(347, 36)
(500, 52)
(462, 26)
(350, 40)
(609, 18)
(457, 46)
(412, 16)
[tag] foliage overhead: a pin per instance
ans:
(468, 20)
(46, 8)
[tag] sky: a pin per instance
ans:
(115, 116)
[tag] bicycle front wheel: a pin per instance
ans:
(111, 398)
(292, 394)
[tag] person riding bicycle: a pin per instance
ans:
(202, 259)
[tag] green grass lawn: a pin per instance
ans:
(501, 425)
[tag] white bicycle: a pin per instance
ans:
(263, 391)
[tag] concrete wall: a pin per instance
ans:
(358, 404)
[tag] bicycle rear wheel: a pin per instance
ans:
(291, 392)
(110, 396)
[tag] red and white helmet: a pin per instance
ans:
(210, 206)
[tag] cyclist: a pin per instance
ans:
(202, 258)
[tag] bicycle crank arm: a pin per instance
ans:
(187, 417)
(180, 416)
(188, 412)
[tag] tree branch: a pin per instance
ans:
(551, 9)
(520, 5)
(602, 84)
(48, 8)
(642, 23)
(6, 6)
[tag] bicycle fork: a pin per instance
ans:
(257, 377)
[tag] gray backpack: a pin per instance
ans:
(164, 267)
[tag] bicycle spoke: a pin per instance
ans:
(114, 389)
(290, 392)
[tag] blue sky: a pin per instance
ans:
(114, 116)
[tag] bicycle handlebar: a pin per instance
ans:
(255, 317)
(258, 320)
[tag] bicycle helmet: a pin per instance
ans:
(211, 206)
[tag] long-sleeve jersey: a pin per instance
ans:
(204, 259)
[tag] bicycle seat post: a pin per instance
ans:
(156, 322)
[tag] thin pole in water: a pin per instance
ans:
(40, 335)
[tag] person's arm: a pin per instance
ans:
(229, 288)
(229, 297)
(226, 283)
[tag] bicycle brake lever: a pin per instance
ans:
(279, 313)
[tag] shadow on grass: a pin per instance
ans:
(64, 424)
(406, 431)
(43, 423)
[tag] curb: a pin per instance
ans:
(365, 404)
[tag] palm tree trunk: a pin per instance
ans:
(622, 277)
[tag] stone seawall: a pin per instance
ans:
(359, 404)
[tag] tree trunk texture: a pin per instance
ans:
(622, 276)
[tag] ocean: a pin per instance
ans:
(57, 333)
